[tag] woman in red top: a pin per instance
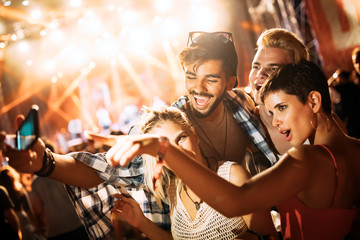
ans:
(316, 187)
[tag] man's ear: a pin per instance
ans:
(231, 83)
(314, 100)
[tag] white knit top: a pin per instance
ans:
(208, 223)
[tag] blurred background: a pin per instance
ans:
(93, 64)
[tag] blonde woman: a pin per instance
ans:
(191, 218)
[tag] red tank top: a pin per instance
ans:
(299, 221)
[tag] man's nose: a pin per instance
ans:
(201, 85)
(263, 73)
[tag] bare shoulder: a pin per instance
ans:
(305, 156)
(238, 175)
(302, 152)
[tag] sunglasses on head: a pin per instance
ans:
(197, 37)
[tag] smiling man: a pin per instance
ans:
(222, 116)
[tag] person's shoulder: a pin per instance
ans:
(306, 153)
(181, 102)
(238, 175)
(242, 98)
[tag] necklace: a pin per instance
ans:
(197, 204)
(219, 156)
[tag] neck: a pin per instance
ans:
(326, 126)
(215, 113)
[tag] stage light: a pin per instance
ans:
(60, 74)
(25, 3)
(111, 7)
(202, 18)
(29, 62)
(75, 3)
(163, 5)
(129, 17)
(43, 33)
(107, 48)
(54, 79)
(170, 29)
(49, 65)
(53, 25)
(36, 14)
(90, 25)
(56, 37)
(139, 40)
(24, 46)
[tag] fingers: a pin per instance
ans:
(104, 139)
(18, 120)
(123, 151)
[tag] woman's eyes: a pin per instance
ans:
(282, 107)
(181, 138)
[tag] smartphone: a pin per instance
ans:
(28, 132)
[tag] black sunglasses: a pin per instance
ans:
(196, 37)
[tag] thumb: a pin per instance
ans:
(18, 120)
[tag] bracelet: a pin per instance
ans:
(48, 164)
(164, 145)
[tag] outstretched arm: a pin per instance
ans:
(67, 169)
(282, 181)
(129, 210)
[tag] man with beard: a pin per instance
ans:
(222, 117)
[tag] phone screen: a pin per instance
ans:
(28, 132)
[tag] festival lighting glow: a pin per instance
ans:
(125, 44)
(56, 37)
(170, 29)
(36, 14)
(49, 66)
(202, 17)
(163, 5)
(75, 3)
(24, 47)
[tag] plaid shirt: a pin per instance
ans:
(94, 205)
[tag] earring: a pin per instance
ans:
(314, 126)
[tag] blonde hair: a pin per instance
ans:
(152, 118)
(282, 38)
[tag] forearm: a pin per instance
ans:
(153, 231)
(75, 173)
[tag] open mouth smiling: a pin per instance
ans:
(201, 100)
(258, 86)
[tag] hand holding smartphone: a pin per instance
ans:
(28, 132)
